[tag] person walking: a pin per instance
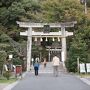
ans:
(56, 63)
(36, 67)
(44, 62)
(32, 61)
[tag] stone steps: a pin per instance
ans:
(49, 68)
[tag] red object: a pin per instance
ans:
(18, 69)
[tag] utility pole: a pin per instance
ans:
(84, 2)
(85, 6)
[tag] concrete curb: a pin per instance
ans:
(85, 81)
(10, 86)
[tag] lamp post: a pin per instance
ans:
(48, 53)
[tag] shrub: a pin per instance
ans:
(7, 74)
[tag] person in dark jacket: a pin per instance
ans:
(36, 67)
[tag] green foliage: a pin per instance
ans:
(88, 3)
(79, 49)
(8, 44)
(15, 11)
(17, 61)
(7, 74)
(4, 38)
(32, 8)
(44, 53)
(62, 10)
(10, 11)
(4, 14)
(3, 80)
(3, 56)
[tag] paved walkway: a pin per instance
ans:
(46, 81)
(2, 86)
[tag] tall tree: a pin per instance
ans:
(62, 10)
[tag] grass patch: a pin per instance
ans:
(4, 80)
(85, 75)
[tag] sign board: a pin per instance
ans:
(10, 56)
(88, 67)
(46, 29)
(82, 68)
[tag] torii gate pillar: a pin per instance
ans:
(63, 40)
(29, 47)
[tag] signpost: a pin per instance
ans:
(10, 56)
(10, 62)
(82, 68)
(88, 67)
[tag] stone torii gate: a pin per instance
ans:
(61, 34)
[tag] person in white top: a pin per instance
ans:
(44, 62)
(56, 63)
